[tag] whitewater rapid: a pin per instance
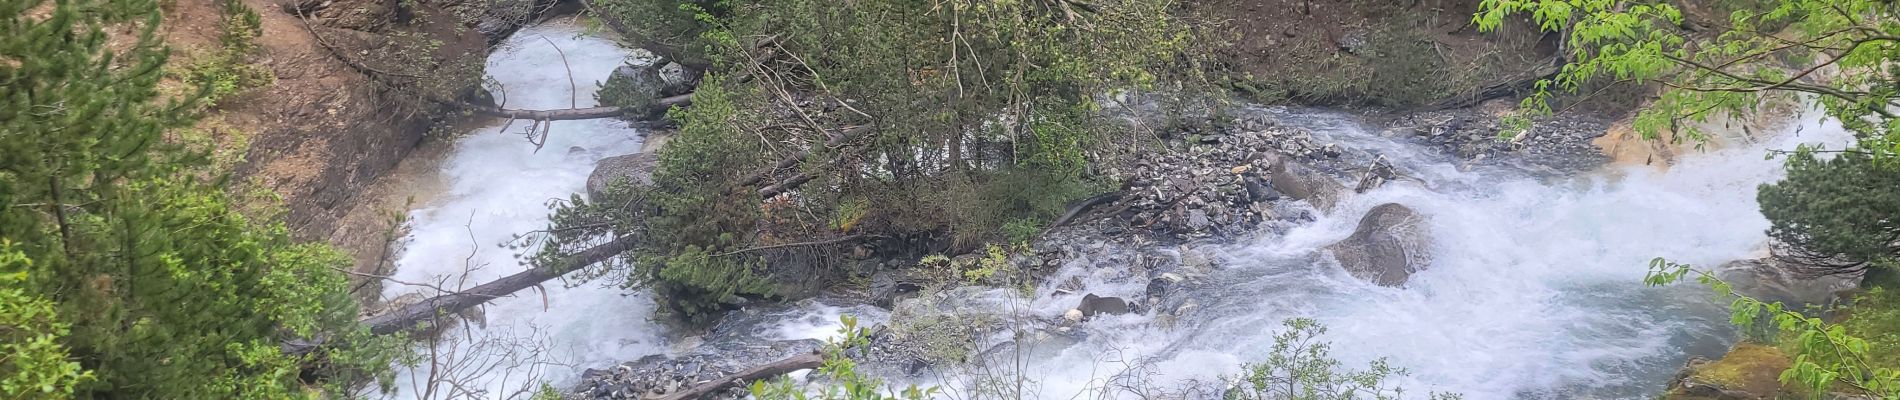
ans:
(1535, 289)
(500, 186)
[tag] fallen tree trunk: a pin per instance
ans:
(568, 114)
(408, 316)
(776, 368)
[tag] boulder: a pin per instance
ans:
(1775, 279)
(497, 19)
(634, 168)
(1093, 305)
(1304, 183)
(1388, 246)
(646, 82)
(1748, 372)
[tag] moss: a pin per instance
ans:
(1747, 365)
(1750, 368)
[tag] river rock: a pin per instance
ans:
(499, 18)
(1389, 245)
(1304, 183)
(1748, 372)
(1774, 279)
(634, 168)
(652, 81)
(1093, 305)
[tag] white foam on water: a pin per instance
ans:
(500, 187)
(1535, 289)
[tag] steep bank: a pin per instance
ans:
(340, 110)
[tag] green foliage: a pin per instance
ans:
(995, 260)
(1841, 206)
(546, 392)
(1766, 51)
(1300, 367)
(229, 70)
(843, 380)
(697, 219)
(167, 291)
(624, 91)
(1825, 355)
(966, 116)
(693, 225)
(37, 365)
(1875, 317)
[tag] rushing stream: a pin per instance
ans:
(499, 186)
(1535, 290)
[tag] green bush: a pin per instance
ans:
(1875, 317)
(229, 70)
(1300, 367)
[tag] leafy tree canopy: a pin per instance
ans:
(940, 118)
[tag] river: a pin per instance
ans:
(1535, 289)
(500, 185)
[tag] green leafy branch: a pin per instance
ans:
(1825, 355)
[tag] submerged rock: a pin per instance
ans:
(636, 169)
(1093, 305)
(1303, 183)
(1774, 279)
(1389, 245)
(496, 19)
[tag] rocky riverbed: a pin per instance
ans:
(1262, 174)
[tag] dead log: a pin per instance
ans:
(659, 106)
(1080, 206)
(776, 368)
(568, 114)
(407, 317)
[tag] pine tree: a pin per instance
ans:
(168, 292)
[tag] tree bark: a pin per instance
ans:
(407, 317)
(776, 368)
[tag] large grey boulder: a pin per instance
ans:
(1390, 244)
(1775, 279)
(496, 19)
(1304, 183)
(636, 169)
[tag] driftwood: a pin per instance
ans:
(776, 368)
(1081, 206)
